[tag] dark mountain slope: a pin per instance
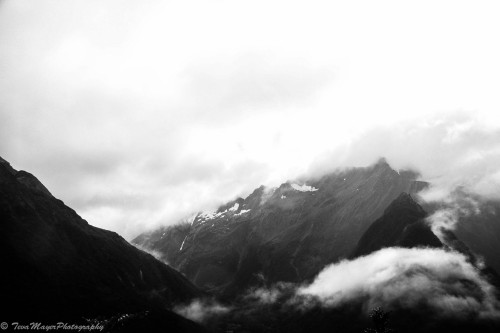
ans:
(481, 233)
(56, 265)
(287, 233)
(401, 225)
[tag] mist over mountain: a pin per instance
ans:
(274, 261)
(250, 166)
(286, 233)
(398, 264)
(291, 232)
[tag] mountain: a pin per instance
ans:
(481, 232)
(477, 224)
(57, 266)
(287, 233)
(402, 224)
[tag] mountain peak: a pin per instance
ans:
(401, 225)
(56, 258)
(7, 166)
(381, 164)
(404, 202)
(382, 161)
(23, 177)
(405, 198)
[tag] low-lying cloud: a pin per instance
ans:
(199, 310)
(152, 252)
(417, 281)
(455, 206)
(442, 280)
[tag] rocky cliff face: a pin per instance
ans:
(56, 265)
(287, 233)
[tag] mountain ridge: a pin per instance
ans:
(286, 233)
(58, 266)
(402, 224)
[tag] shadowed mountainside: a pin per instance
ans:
(57, 266)
(402, 225)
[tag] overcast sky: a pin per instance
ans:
(136, 113)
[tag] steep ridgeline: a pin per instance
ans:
(401, 225)
(287, 233)
(57, 266)
(404, 224)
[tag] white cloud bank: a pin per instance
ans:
(448, 150)
(418, 280)
(139, 113)
(408, 278)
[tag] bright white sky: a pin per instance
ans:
(138, 112)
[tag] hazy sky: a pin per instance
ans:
(136, 113)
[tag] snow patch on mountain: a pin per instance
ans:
(211, 215)
(192, 218)
(243, 211)
(303, 188)
(182, 245)
(205, 216)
